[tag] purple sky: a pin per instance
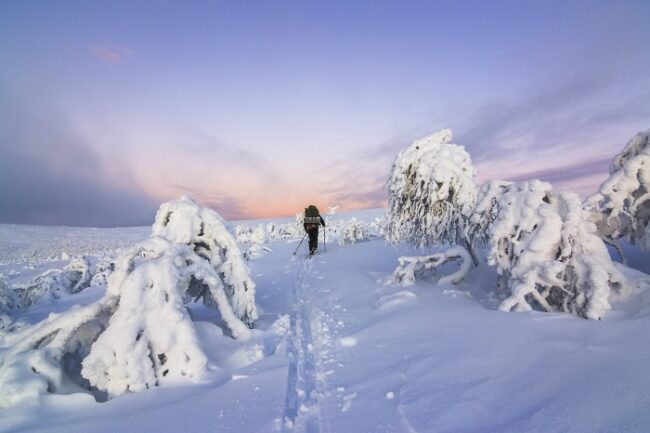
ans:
(256, 108)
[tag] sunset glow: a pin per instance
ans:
(259, 108)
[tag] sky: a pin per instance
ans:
(258, 108)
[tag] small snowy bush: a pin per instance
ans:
(140, 334)
(354, 231)
(53, 284)
(252, 239)
(431, 192)
(102, 270)
(547, 254)
(621, 207)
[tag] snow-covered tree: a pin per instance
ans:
(184, 222)
(140, 334)
(547, 253)
(621, 207)
(431, 193)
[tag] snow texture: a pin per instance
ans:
(431, 192)
(547, 254)
(139, 334)
(621, 207)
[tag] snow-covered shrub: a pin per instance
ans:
(485, 210)
(548, 255)
(621, 207)
(289, 231)
(253, 239)
(411, 268)
(377, 226)
(140, 334)
(431, 192)
(354, 231)
(73, 278)
(102, 270)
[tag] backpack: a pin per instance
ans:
(312, 216)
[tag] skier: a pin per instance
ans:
(311, 223)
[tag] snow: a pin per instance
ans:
(337, 349)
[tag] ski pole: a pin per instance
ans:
(324, 240)
(303, 238)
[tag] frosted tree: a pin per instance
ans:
(431, 193)
(140, 334)
(621, 207)
(547, 254)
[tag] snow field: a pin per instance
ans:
(379, 357)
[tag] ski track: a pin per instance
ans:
(304, 409)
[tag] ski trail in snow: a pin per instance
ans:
(302, 410)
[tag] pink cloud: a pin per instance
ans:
(110, 53)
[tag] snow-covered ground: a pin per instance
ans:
(336, 349)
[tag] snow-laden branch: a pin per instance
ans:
(411, 268)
